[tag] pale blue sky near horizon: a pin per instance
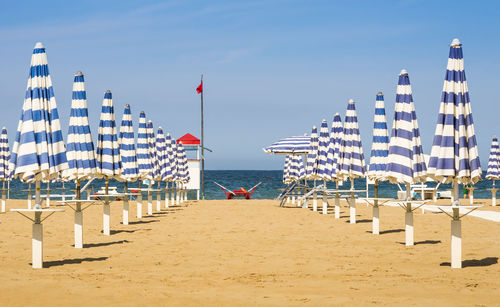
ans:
(271, 68)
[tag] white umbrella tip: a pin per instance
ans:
(108, 92)
(403, 72)
(38, 45)
(79, 74)
(455, 42)
(351, 101)
(380, 94)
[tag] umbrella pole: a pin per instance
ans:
(29, 196)
(325, 200)
(3, 197)
(166, 195)
(408, 218)
(47, 199)
(150, 198)
(337, 200)
(456, 231)
(106, 210)
(139, 202)
(78, 227)
(125, 204)
(315, 198)
(493, 195)
(158, 197)
(375, 221)
(352, 205)
(177, 194)
(37, 234)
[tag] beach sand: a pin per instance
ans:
(241, 252)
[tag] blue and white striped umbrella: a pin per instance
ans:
(406, 161)
(295, 145)
(454, 155)
(143, 157)
(4, 156)
(312, 157)
(297, 167)
(324, 168)
(173, 160)
(380, 142)
(80, 149)
(108, 149)
(302, 170)
(128, 155)
(352, 162)
(161, 153)
(182, 167)
(286, 169)
(155, 174)
(336, 137)
(38, 152)
(169, 158)
(493, 172)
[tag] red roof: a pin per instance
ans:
(188, 139)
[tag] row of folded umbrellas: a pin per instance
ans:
(337, 154)
(39, 152)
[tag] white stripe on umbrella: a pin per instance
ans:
(143, 157)
(324, 169)
(352, 162)
(380, 142)
(493, 172)
(312, 157)
(128, 155)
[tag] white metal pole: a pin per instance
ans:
(166, 195)
(78, 226)
(3, 197)
(352, 205)
(375, 221)
(106, 211)
(29, 195)
(150, 199)
(408, 218)
(456, 232)
(125, 204)
(315, 198)
(158, 197)
(37, 233)
(139, 202)
(47, 200)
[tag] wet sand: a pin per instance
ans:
(242, 252)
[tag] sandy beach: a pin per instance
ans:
(242, 252)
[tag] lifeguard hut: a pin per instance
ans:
(192, 147)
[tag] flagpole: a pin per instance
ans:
(202, 147)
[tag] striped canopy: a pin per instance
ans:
(161, 153)
(80, 150)
(493, 172)
(286, 169)
(38, 151)
(172, 157)
(108, 149)
(312, 157)
(406, 161)
(295, 145)
(324, 168)
(152, 150)
(128, 155)
(4, 156)
(299, 167)
(352, 162)
(144, 161)
(182, 167)
(169, 158)
(454, 154)
(336, 137)
(380, 142)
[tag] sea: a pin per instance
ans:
(270, 187)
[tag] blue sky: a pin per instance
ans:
(272, 68)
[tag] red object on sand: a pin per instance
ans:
(238, 193)
(199, 89)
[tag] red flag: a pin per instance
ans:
(199, 89)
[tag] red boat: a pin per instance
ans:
(238, 193)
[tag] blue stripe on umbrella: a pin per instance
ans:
(4, 156)
(38, 151)
(493, 172)
(290, 145)
(128, 155)
(312, 157)
(286, 169)
(324, 169)
(173, 160)
(336, 136)
(182, 167)
(380, 142)
(108, 149)
(169, 157)
(143, 157)
(152, 151)
(80, 149)
(161, 153)
(454, 154)
(352, 162)
(406, 162)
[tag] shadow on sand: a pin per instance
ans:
(361, 221)
(423, 242)
(143, 222)
(89, 245)
(48, 264)
(475, 262)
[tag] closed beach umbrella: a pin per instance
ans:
(80, 149)
(154, 163)
(336, 137)
(108, 153)
(173, 165)
(128, 156)
(493, 172)
(379, 153)
(161, 153)
(38, 152)
(406, 162)
(312, 165)
(301, 169)
(324, 168)
(168, 166)
(144, 161)
(182, 168)
(4, 163)
(454, 156)
(293, 145)
(352, 159)
(286, 169)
